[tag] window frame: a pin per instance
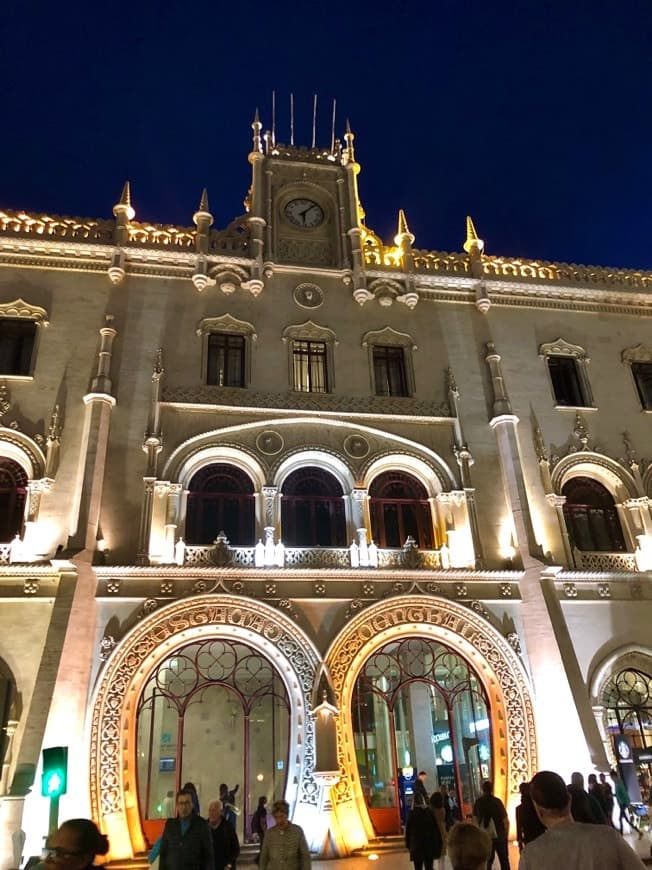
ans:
(20, 311)
(313, 333)
(228, 326)
(562, 349)
(610, 517)
(390, 338)
(634, 356)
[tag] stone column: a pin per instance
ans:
(360, 512)
(271, 518)
(171, 521)
(142, 557)
(566, 730)
(558, 502)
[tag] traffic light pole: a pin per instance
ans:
(54, 814)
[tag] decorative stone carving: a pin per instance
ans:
(505, 590)
(299, 401)
(570, 590)
(308, 295)
(107, 645)
(356, 446)
(113, 758)
(396, 618)
(166, 588)
(269, 442)
(31, 587)
(24, 311)
(604, 590)
(113, 587)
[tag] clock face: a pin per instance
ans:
(304, 213)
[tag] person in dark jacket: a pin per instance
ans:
(528, 823)
(186, 843)
(423, 838)
(226, 846)
(490, 813)
(421, 797)
(584, 807)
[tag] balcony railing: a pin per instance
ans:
(599, 561)
(311, 557)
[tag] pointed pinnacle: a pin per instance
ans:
(203, 211)
(403, 234)
(123, 206)
(256, 116)
(473, 241)
(348, 126)
(125, 198)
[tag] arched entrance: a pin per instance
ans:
(418, 706)
(254, 636)
(213, 711)
(494, 672)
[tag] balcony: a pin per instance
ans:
(221, 554)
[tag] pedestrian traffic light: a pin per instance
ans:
(54, 781)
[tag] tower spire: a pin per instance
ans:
(349, 152)
(403, 236)
(123, 206)
(473, 243)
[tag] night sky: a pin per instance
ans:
(533, 117)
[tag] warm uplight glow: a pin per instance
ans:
(260, 777)
(373, 857)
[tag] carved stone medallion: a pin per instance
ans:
(269, 442)
(356, 446)
(308, 295)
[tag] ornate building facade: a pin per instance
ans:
(289, 507)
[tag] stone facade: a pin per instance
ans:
(507, 380)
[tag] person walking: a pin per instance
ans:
(623, 801)
(227, 796)
(226, 846)
(186, 843)
(437, 807)
(569, 844)
(607, 798)
(74, 845)
(528, 823)
(423, 837)
(491, 816)
(259, 822)
(584, 808)
(284, 846)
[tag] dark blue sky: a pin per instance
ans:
(533, 117)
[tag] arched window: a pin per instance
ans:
(399, 509)
(13, 492)
(627, 699)
(312, 510)
(221, 499)
(591, 516)
(417, 704)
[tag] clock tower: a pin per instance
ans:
(304, 207)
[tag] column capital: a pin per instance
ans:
(555, 500)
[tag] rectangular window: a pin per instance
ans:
(642, 372)
(309, 366)
(16, 346)
(566, 383)
(226, 360)
(389, 371)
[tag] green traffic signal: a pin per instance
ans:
(54, 781)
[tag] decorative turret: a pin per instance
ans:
(203, 220)
(124, 212)
(349, 152)
(124, 207)
(403, 238)
(257, 140)
(473, 244)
